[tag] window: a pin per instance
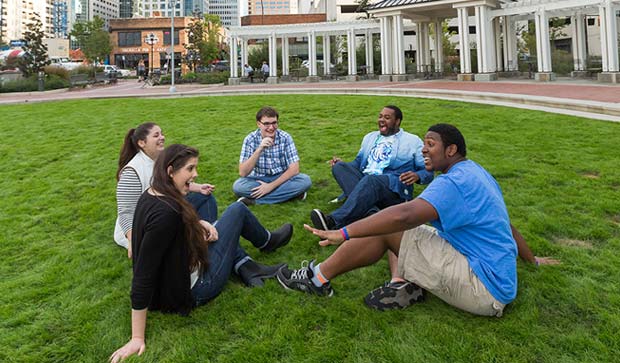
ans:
(167, 37)
(130, 39)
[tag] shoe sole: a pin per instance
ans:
(258, 281)
(317, 220)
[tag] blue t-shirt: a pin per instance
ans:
(380, 155)
(474, 219)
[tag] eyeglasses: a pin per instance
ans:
(267, 124)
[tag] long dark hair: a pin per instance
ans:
(130, 145)
(176, 156)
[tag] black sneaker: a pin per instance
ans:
(302, 280)
(394, 295)
(247, 201)
(322, 221)
(253, 273)
(280, 237)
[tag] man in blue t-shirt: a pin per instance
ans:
(467, 258)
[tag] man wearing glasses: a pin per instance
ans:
(269, 164)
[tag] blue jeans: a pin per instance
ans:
(225, 254)
(363, 192)
(205, 206)
(286, 191)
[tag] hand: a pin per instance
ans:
(334, 160)
(128, 235)
(546, 261)
(265, 143)
(327, 237)
(206, 189)
(408, 177)
(261, 190)
(135, 345)
(210, 231)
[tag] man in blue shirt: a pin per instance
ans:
(387, 165)
(467, 258)
(269, 164)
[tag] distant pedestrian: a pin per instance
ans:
(265, 70)
(141, 69)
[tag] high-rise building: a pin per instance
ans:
(17, 14)
(86, 10)
(227, 10)
(60, 19)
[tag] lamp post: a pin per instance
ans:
(173, 6)
(151, 39)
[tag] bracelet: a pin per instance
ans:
(345, 233)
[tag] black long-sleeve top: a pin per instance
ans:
(161, 276)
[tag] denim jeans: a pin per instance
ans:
(286, 191)
(225, 254)
(363, 192)
(205, 206)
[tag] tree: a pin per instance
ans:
(362, 7)
(528, 34)
(35, 57)
(203, 45)
(93, 39)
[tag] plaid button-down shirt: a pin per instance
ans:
(273, 160)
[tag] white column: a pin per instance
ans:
(369, 53)
(499, 54)
(351, 52)
(398, 53)
(438, 46)
(244, 55)
(326, 54)
(426, 43)
(285, 65)
(386, 46)
(233, 57)
(419, 47)
(464, 53)
(312, 53)
(609, 37)
(273, 55)
(510, 44)
(543, 47)
(485, 41)
(579, 45)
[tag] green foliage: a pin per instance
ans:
(562, 62)
(64, 291)
(527, 43)
(21, 85)
(258, 54)
(57, 71)
(362, 7)
(35, 57)
(94, 40)
(53, 81)
(212, 77)
(189, 77)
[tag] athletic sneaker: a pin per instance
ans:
(394, 295)
(301, 280)
(322, 221)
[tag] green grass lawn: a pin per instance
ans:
(64, 284)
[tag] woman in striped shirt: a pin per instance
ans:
(141, 147)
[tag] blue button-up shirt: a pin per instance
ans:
(273, 160)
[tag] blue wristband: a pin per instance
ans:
(345, 233)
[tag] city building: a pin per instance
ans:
(229, 11)
(86, 10)
(130, 44)
(16, 15)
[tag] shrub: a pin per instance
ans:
(53, 81)
(21, 85)
(562, 62)
(57, 71)
(212, 77)
(189, 77)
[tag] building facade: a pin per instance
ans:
(129, 40)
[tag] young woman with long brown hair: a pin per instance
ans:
(178, 263)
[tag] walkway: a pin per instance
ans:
(579, 98)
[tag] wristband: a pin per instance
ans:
(345, 233)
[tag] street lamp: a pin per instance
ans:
(151, 39)
(173, 6)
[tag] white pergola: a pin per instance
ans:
(496, 37)
(239, 37)
(496, 41)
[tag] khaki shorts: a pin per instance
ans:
(432, 263)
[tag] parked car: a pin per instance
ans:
(108, 68)
(64, 62)
(220, 66)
